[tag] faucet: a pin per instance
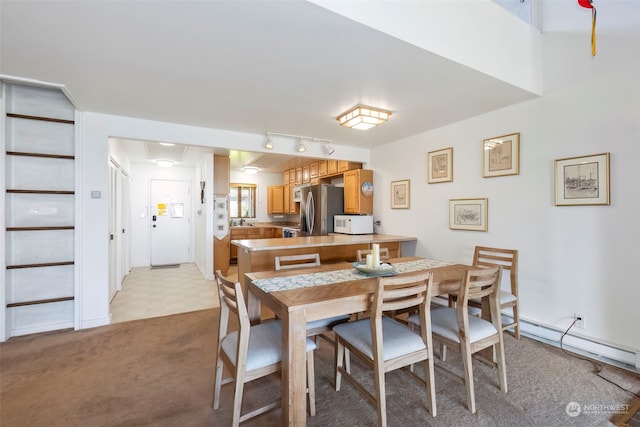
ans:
(241, 222)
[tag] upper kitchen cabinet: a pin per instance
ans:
(275, 199)
(358, 192)
(221, 175)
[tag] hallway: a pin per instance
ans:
(150, 292)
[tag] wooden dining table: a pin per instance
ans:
(300, 296)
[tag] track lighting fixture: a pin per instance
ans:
(330, 149)
(301, 146)
(269, 144)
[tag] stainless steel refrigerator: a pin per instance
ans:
(318, 206)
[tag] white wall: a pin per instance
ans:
(203, 218)
(575, 259)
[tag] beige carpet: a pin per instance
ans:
(159, 372)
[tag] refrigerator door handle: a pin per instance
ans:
(310, 213)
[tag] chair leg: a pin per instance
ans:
(347, 360)
(516, 318)
(311, 383)
(237, 398)
(502, 368)
(380, 394)
(217, 384)
(430, 385)
(465, 351)
(339, 357)
(443, 352)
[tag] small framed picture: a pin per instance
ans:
(400, 194)
(468, 214)
(501, 155)
(582, 180)
(440, 166)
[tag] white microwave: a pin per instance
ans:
(297, 193)
(353, 224)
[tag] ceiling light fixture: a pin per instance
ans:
(250, 169)
(165, 163)
(269, 144)
(363, 118)
(167, 144)
(330, 149)
(301, 147)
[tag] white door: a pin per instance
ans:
(113, 214)
(170, 222)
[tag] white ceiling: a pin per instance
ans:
(248, 66)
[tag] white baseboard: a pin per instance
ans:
(588, 347)
(41, 328)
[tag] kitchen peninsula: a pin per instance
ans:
(259, 254)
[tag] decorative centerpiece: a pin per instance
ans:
(373, 266)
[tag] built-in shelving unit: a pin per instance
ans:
(39, 143)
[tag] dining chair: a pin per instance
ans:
(385, 344)
(320, 326)
(484, 256)
(361, 254)
(297, 261)
(250, 352)
(455, 327)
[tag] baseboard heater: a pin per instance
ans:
(588, 347)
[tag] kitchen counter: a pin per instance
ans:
(259, 254)
(333, 239)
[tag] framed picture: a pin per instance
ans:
(582, 180)
(440, 166)
(468, 214)
(400, 194)
(501, 155)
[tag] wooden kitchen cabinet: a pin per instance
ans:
(358, 192)
(305, 174)
(344, 165)
(290, 206)
(313, 170)
(275, 199)
(298, 175)
(285, 177)
(332, 167)
(322, 168)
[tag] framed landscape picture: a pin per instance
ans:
(501, 155)
(400, 194)
(440, 166)
(582, 180)
(468, 214)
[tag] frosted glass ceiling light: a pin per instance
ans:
(165, 163)
(363, 118)
(250, 169)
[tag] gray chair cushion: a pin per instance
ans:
(444, 322)
(397, 338)
(265, 345)
(321, 323)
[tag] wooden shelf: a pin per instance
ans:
(49, 156)
(40, 301)
(15, 191)
(62, 227)
(43, 119)
(45, 264)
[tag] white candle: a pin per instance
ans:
(375, 250)
(369, 261)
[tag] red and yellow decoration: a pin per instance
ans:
(589, 5)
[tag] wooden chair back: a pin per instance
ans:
(477, 284)
(507, 258)
(297, 261)
(232, 302)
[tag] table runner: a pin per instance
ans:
(320, 278)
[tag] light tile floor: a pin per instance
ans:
(152, 293)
